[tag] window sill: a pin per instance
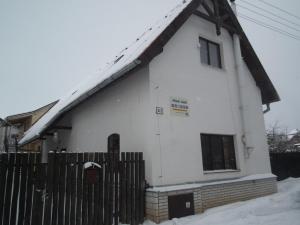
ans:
(220, 171)
(222, 69)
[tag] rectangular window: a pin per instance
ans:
(218, 152)
(210, 53)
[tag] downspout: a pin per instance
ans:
(267, 109)
(240, 82)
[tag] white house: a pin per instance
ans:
(188, 93)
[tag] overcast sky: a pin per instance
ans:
(47, 47)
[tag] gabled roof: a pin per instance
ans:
(141, 52)
(20, 116)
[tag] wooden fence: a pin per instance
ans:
(62, 192)
(285, 165)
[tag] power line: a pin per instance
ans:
(267, 11)
(280, 9)
(270, 27)
(270, 18)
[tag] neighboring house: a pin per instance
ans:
(281, 142)
(294, 140)
(190, 99)
(8, 142)
(14, 127)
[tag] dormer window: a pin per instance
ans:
(210, 53)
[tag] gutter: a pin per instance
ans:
(81, 98)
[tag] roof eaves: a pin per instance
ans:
(107, 81)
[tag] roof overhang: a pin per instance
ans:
(224, 17)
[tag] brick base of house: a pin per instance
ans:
(208, 195)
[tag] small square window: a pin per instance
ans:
(210, 53)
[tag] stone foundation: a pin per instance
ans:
(207, 195)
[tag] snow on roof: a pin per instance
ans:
(125, 61)
(292, 133)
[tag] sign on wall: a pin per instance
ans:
(179, 106)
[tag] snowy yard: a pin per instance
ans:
(282, 208)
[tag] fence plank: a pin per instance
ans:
(123, 189)
(128, 184)
(136, 188)
(116, 187)
(79, 192)
(30, 186)
(143, 183)
(85, 195)
(96, 194)
(49, 189)
(62, 188)
(39, 191)
(68, 189)
(111, 188)
(15, 190)
(9, 184)
(101, 190)
(132, 222)
(3, 176)
(106, 189)
(55, 196)
(73, 165)
(90, 194)
(141, 189)
(23, 177)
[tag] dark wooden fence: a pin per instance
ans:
(285, 165)
(62, 192)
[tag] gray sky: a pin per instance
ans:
(47, 47)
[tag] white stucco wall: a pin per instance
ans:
(212, 96)
(171, 144)
(120, 108)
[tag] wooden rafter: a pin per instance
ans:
(207, 8)
(228, 27)
(217, 15)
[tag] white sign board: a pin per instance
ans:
(179, 106)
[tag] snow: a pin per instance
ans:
(125, 61)
(198, 185)
(292, 133)
(282, 208)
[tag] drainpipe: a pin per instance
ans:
(240, 83)
(267, 109)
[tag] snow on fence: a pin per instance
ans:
(67, 191)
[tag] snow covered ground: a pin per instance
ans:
(282, 208)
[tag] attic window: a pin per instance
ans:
(210, 53)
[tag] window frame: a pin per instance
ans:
(206, 153)
(207, 42)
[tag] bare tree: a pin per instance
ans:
(278, 139)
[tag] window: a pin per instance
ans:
(210, 53)
(218, 152)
